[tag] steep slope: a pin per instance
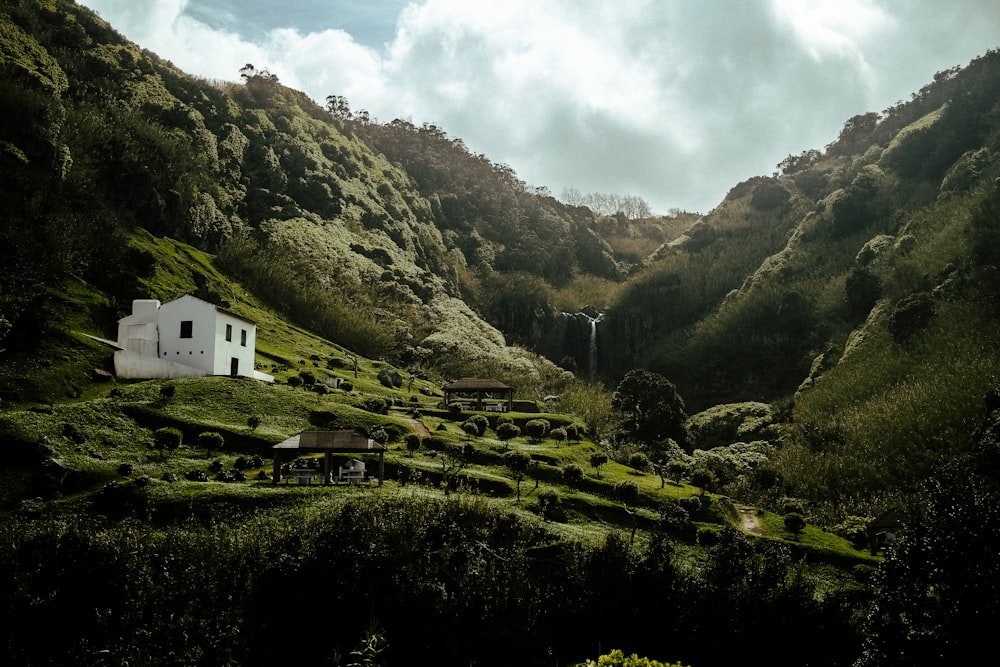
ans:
(856, 288)
(100, 138)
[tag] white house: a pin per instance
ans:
(184, 338)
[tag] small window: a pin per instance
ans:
(243, 337)
(229, 332)
(187, 326)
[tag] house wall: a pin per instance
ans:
(154, 347)
(225, 350)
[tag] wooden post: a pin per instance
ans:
(276, 470)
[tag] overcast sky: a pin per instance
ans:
(672, 100)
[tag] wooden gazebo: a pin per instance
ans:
(480, 388)
(341, 441)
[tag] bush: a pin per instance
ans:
(854, 529)
(125, 469)
(471, 428)
(308, 378)
(435, 444)
(253, 422)
(795, 523)
(167, 391)
(215, 466)
(627, 491)
(481, 422)
(413, 442)
(536, 428)
(347, 386)
(210, 441)
(558, 434)
(572, 473)
(167, 438)
(377, 405)
(638, 461)
(294, 381)
(909, 316)
(548, 506)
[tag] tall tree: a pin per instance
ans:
(650, 409)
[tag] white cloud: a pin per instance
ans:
(675, 101)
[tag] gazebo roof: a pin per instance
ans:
(342, 440)
(477, 384)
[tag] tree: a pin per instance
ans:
(597, 459)
(702, 478)
(338, 107)
(518, 463)
(795, 523)
(507, 432)
(253, 422)
(412, 443)
(536, 428)
(649, 407)
(167, 439)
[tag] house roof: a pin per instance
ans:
(477, 384)
(341, 440)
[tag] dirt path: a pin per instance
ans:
(749, 521)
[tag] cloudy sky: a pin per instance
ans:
(672, 100)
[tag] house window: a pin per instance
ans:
(229, 332)
(187, 326)
(243, 337)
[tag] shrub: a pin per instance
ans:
(253, 422)
(294, 381)
(909, 316)
(347, 386)
(795, 523)
(572, 473)
(627, 491)
(412, 442)
(597, 459)
(790, 505)
(308, 378)
(854, 529)
(558, 434)
(572, 432)
(536, 428)
(167, 438)
(196, 476)
(210, 441)
(377, 405)
(125, 469)
(507, 431)
(638, 461)
(549, 506)
(167, 391)
(435, 444)
(471, 428)
(215, 466)
(481, 422)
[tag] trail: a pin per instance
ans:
(749, 521)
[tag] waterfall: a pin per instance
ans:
(592, 359)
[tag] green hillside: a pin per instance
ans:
(710, 409)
